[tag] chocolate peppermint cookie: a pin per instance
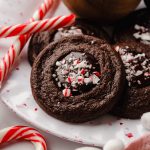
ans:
(136, 98)
(81, 80)
(135, 28)
(40, 40)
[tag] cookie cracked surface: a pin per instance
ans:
(88, 104)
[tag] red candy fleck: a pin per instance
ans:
(82, 71)
(97, 73)
(147, 74)
(129, 135)
(35, 109)
(69, 80)
(76, 62)
(80, 79)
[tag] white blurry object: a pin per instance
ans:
(145, 120)
(114, 144)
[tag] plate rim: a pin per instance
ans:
(81, 141)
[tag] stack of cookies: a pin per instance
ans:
(79, 72)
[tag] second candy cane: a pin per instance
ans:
(37, 26)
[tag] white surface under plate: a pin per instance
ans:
(17, 95)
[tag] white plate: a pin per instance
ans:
(16, 94)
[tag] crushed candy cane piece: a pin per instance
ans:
(67, 92)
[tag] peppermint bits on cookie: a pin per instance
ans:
(137, 66)
(135, 100)
(76, 73)
(142, 33)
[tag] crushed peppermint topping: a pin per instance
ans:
(143, 34)
(137, 66)
(76, 73)
(63, 32)
(67, 92)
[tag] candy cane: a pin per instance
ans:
(23, 133)
(8, 60)
(37, 26)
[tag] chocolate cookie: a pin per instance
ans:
(136, 98)
(80, 81)
(135, 28)
(40, 40)
(147, 2)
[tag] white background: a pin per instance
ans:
(11, 12)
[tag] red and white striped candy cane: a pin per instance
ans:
(23, 133)
(37, 26)
(8, 60)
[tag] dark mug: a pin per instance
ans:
(102, 10)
